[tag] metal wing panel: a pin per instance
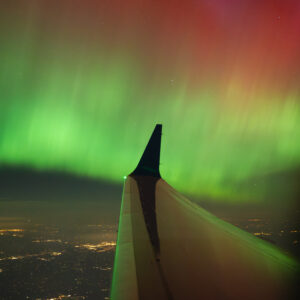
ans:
(205, 257)
(124, 283)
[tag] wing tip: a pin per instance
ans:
(149, 162)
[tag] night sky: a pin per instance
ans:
(83, 83)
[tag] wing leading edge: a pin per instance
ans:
(170, 248)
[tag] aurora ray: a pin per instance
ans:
(83, 82)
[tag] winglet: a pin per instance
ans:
(149, 162)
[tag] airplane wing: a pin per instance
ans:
(170, 248)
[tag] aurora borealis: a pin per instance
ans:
(82, 84)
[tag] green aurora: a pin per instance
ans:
(74, 102)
